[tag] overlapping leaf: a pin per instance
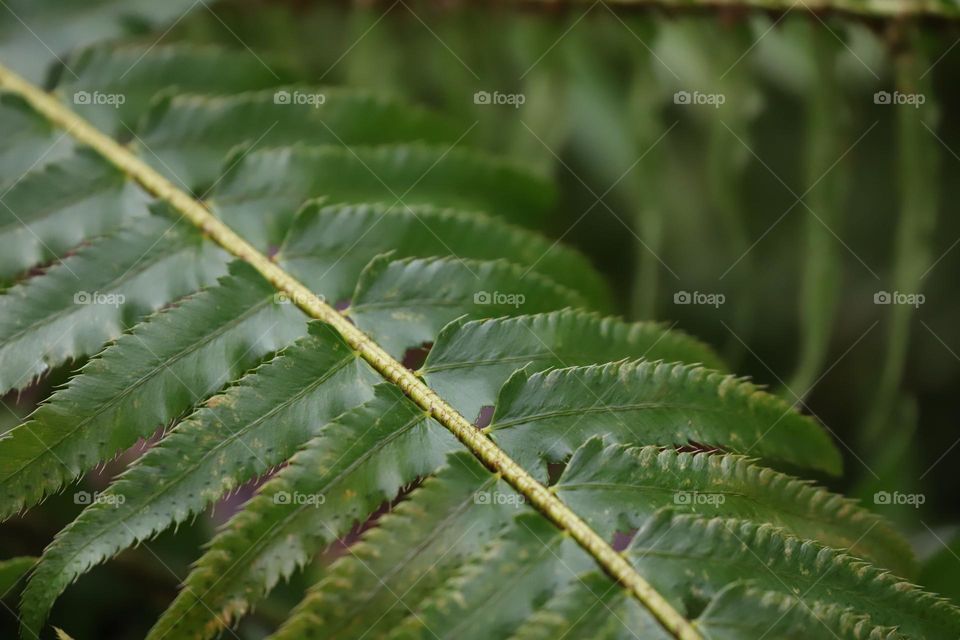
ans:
(52, 210)
(148, 378)
(94, 295)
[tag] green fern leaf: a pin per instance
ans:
(240, 434)
(358, 461)
(94, 295)
(382, 209)
(186, 137)
(428, 293)
(278, 536)
(740, 611)
(714, 552)
(510, 575)
(420, 545)
(328, 246)
(56, 28)
(471, 360)
(53, 209)
(601, 479)
(149, 378)
(590, 608)
(260, 192)
(139, 73)
(29, 141)
(699, 562)
(12, 571)
(652, 403)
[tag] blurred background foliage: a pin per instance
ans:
(798, 199)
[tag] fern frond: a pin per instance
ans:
(30, 141)
(139, 72)
(741, 610)
(94, 295)
(188, 136)
(417, 547)
(328, 246)
(697, 561)
(55, 208)
(428, 293)
(12, 571)
(260, 192)
(471, 360)
(510, 575)
(652, 403)
(244, 432)
(380, 209)
(56, 28)
(356, 462)
(147, 379)
(601, 479)
(689, 556)
(591, 608)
